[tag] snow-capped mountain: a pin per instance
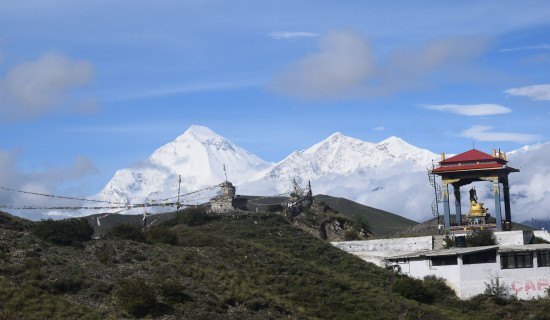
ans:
(390, 175)
(374, 174)
(339, 165)
(339, 154)
(198, 156)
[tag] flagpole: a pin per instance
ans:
(179, 185)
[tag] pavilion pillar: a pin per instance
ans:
(506, 193)
(458, 208)
(446, 209)
(496, 191)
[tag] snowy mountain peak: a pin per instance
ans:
(392, 140)
(198, 156)
(199, 133)
(342, 155)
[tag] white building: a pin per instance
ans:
(524, 268)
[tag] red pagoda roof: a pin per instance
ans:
(493, 165)
(472, 155)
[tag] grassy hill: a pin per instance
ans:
(382, 222)
(242, 266)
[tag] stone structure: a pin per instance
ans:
(227, 201)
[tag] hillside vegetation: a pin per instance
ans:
(194, 266)
(382, 222)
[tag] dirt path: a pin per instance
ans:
(404, 307)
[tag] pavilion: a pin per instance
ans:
(472, 166)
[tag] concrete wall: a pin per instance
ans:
(376, 251)
(513, 238)
(470, 280)
(543, 234)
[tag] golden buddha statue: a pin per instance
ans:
(476, 209)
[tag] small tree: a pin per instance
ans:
(448, 242)
(497, 289)
(480, 238)
(362, 223)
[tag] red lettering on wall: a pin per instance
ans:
(515, 286)
(529, 285)
(541, 283)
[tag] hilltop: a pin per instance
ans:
(242, 266)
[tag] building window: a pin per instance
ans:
(444, 261)
(513, 260)
(543, 258)
(489, 256)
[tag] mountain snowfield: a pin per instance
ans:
(198, 156)
(389, 175)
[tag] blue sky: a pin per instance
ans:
(90, 87)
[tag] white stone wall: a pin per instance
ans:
(543, 234)
(510, 238)
(376, 251)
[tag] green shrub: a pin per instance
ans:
(412, 289)
(351, 235)
(448, 242)
(64, 232)
(497, 289)
(537, 240)
(437, 288)
(136, 297)
(161, 234)
(361, 222)
(173, 293)
(66, 285)
(480, 237)
(132, 232)
(194, 216)
(104, 256)
(275, 208)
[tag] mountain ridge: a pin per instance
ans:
(390, 175)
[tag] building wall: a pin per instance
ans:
(470, 280)
(376, 251)
(543, 234)
(513, 238)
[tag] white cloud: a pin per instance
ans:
(344, 67)
(49, 181)
(381, 128)
(278, 35)
(540, 46)
(536, 92)
(482, 133)
(35, 88)
(471, 109)
(175, 89)
(343, 61)
(529, 190)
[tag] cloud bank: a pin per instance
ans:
(345, 67)
(540, 46)
(536, 92)
(36, 88)
(49, 181)
(471, 109)
(529, 188)
(288, 35)
(343, 61)
(483, 133)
